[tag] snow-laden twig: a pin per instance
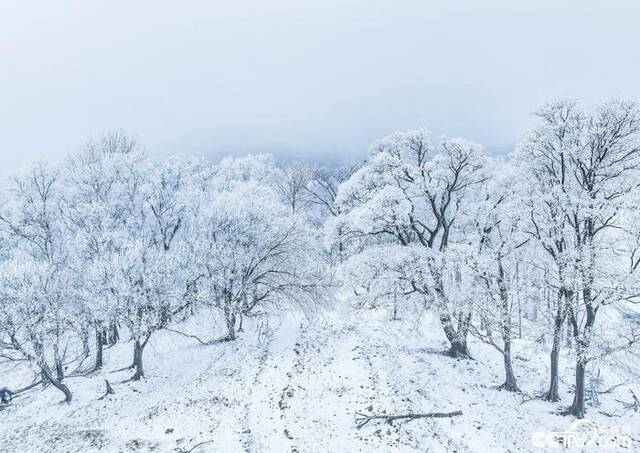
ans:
(203, 343)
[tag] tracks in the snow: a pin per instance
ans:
(265, 413)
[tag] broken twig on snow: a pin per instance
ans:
(363, 419)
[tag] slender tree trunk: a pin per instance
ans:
(46, 373)
(99, 344)
(577, 407)
(519, 319)
(59, 370)
(58, 362)
(138, 348)
(114, 333)
(582, 344)
(394, 316)
(519, 301)
(240, 324)
(164, 315)
(510, 383)
(230, 319)
(86, 350)
(553, 392)
(231, 326)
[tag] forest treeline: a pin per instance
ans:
(114, 245)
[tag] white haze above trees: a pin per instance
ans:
(115, 246)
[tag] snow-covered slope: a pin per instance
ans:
(295, 386)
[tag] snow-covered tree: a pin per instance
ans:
(157, 278)
(494, 240)
(95, 211)
(252, 252)
(291, 182)
(37, 289)
(135, 260)
(410, 194)
(585, 170)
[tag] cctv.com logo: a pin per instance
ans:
(584, 434)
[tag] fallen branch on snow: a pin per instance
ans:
(526, 399)
(633, 405)
(195, 446)
(363, 419)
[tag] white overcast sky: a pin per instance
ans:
(299, 78)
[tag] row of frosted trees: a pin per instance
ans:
(472, 238)
(114, 243)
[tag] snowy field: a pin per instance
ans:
(295, 385)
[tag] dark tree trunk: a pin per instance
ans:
(519, 303)
(394, 313)
(57, 362)
(114, 333)
(138, 348)
(577, 407)
(510, 383)
(240, 324)
(99, 344)
(458, 349)
(552, 394)
(457, 337)
(582, 343)
(86, 350)
(230, 319)
(46, 373)
(59, 370)
(109, 390)
(164, 316)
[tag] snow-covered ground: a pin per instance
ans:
(295, 385)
